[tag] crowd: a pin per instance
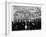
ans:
(21, 24)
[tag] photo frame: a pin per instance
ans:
(12, 7)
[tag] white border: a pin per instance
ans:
(9, 4)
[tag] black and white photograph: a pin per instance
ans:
(22, 18)
(26, 18)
